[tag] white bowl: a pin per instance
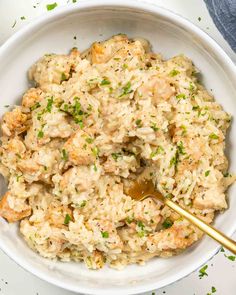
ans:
(169, 34)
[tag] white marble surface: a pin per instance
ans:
(15, 14)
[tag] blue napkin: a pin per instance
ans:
(223, 13)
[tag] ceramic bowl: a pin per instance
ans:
(170, 35)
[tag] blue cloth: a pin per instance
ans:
(223, 13)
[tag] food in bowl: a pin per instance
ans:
(92, 124)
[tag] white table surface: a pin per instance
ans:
(221, 270)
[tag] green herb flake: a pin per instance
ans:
(180, 148)
(49, 105)
(174, 160)
(213, 136)
(14, 24)
(195, 108)
(40, 134)
(67, 219)
(202, 272)
(51, 6)
(6, 106)
(181, 96)
(95, 168)
(129, 219)
(115, 156)
(213, 289)
(207, 173)
(64, 155)
(125, 66)
(74, 1)
(174, 73)
(191, 87)
(105, 234)
(63, 77)
(83, 204)
(138, 123)
(35, 106)
(140, 225)
(22, 17)
(159, 150)
(167, 223)
(89, 140)
(222, 249)
(105, 82)
(95, 151)
(154, 126)
(184, 128)
(126, 89)
(231, 257)
(199, 18)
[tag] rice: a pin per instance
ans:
(94, 123)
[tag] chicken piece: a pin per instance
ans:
(157, 88)
(213, 198)
(80, 148)
(32, 97)
(52, 68)
(177, 237)
(59, 215)
(8, 213)
(101, 52)
(14, 122)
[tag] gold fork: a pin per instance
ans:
(145, 188)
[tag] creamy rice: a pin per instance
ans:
(92, 124)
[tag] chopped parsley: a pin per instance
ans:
(159, 150)
(184, 128)
(95, 151)
(141, 232)
(64, 155)
(49, 105)
(22, 17)
(125, 66)
(130, 219)
(89, 140)
(126, 89)
(174, 73)
(67, 219)
(195, 108)
(181, 96)
(35, 106)
(40, 134)
(191, 87)
(140, 225)
(74, 1)
(14, 24)
(180, 148)
(213, 289)
(139, 123)
(199, 18)
(202, 272)
(167, 223)
(115, 156)
(154, 126)
(174, 160)
(95, 168)
(51, 6)
(207, 173)
(105, 234)
(83, 204)
(63, 77)
(75, 111)
(231, 257)
(6, 106)
(105, 82)
(213, 136)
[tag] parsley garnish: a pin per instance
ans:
(174, 160)
(51, 6)
(83, 204)
(105, 234)
(40, 134)
(63, 77)
(202, 271)
(207, 173)
(139, 123)
(67, 219)
(49, 105)
(231, 257)
(181, 96)
(213, 136)
(159, 150)
(89, 140)
(174, 73)
(154, 126)
(126, 89)
(64, 155)
(95, 151)
(115, 156)
(35, 106)
(167, 223)
(105, 82)
(180, 148)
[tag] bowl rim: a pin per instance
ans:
(147, 7)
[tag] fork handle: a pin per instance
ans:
(206, 228)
